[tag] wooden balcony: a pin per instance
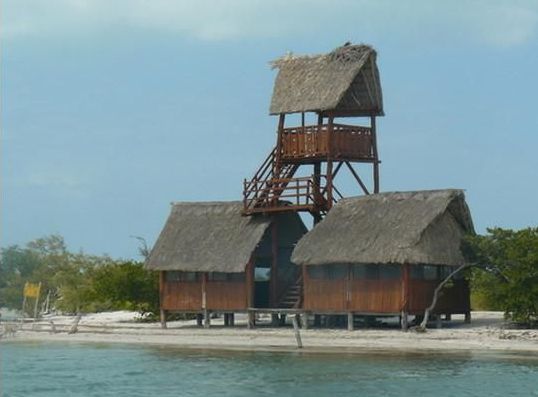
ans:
(285, 194)
(311, 143)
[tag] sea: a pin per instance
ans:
(76, 369)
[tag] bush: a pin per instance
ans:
(510, 279)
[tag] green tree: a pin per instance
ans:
(510, 282)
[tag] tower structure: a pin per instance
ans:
(341, 84)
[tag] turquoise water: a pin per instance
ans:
(52, 369)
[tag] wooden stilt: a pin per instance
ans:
(163, 318)
(350, 325)
(207, 320)
(468, 318)
(404, 321)
(251, 320)
(304, 320)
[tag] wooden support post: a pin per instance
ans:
(207, 320)
(250, 290)
(375, 154)
(273, 282)
(199, 319)
(404, 320)
(278, 153)
(405, 297)
(163, 318)
(304, 320)
(329, 186)
(162, 281)
(251, 323)
(468, 318)
(350, 324)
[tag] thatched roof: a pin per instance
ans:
(423, 227)
(207, 237)
(344, 82)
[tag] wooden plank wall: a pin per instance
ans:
(226, 295)
(453, 300)
(220, 295)
(185, 296)
(381, 296)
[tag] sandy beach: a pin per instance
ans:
(487, 332)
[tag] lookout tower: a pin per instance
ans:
(341, 84)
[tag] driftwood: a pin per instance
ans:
(429, 309)
(74, 327)
(295, 321)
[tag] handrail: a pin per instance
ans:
(300, 191)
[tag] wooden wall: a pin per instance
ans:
(381, 295)
(182, 296)
(226, 295)
(187, 296)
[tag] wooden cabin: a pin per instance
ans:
(384, 254)
(213, 259)
(299, 173)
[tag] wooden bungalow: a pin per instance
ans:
(384, 254)
(213, 259)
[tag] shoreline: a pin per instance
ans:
(486, 335)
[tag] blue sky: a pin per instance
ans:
(113, 109)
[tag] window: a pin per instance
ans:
(417, 272)
(390, 272)
(365, 272)
(182, 276)
(430, 272)
(217, 276)
(316, 272)
(337, 272)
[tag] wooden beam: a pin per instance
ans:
(207, 320)
(357, 178)
(274, 262)
(405, 296)
(375, 154)
(250, 289)
(162, 280)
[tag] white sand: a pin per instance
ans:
(487, 332)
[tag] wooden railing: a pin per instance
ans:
(301, 193)
(348, 142)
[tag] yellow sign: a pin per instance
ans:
(31, 290)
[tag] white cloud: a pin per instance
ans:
(493, 22)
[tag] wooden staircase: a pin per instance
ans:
(293, 296)
(274, 189)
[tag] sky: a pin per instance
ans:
(113, 109)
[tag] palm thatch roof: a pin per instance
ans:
(422, 227)
(344, 82)
(207, 237)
